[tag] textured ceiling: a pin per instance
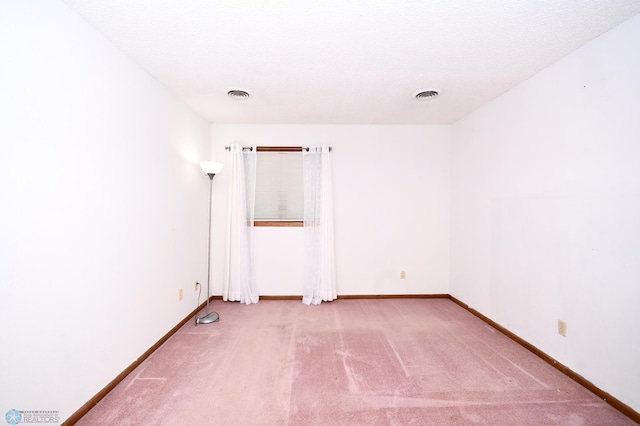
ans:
(347, 62)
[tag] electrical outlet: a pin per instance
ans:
(403, 275)
(562, 328)
(180, 294)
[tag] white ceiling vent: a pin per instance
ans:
(425, 95)
(238, 94)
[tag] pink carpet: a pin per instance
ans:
(349, 362)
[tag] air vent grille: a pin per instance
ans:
(427, 94)
(238, 94)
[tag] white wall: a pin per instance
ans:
(104, 209)
(546, 211)
(391, 201)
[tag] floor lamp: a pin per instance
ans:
(210, 168)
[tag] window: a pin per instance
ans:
(279, 187)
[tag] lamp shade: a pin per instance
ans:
(211, 167)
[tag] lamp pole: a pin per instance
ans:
(210, 168)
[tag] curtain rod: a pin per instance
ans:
(276, 148)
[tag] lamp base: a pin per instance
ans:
(208, 318)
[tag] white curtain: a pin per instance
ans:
(239, 274)
(320, 276)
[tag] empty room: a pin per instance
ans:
(296, 212)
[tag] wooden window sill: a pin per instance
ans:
(297, 223)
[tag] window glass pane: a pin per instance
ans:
(279, 187)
